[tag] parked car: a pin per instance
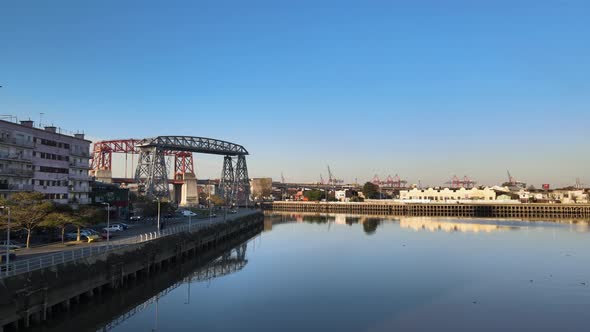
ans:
(90, 231)
(135, 218)
(114, 228)
(122, 224)
(188, 213)
(84, 234)
(13, 245)
(233, 211)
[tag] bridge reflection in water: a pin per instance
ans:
(230, 262)
(112, 308)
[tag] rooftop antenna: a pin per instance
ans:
(41, 119)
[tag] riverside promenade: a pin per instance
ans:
(65, 278)
(494, 210)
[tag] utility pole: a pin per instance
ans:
(7, 240)
(108, 223)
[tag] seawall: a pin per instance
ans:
(535, 211)
(33, 297)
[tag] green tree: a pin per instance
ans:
(216, 200)
(370, 225)
(28, 210)
(60, 220)
(371, 190)
(356, 199)
(313, 195)
(86, 216)
(151, 208)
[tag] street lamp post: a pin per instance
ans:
(158, 199)
(108, 223)
(7, 240)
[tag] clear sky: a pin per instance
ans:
(426, 89)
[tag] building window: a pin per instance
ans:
(46, 169)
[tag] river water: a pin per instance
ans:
(354, 273)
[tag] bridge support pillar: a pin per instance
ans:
(103, 175)
(152, 174)
(189, 191)
(242, 182)
(226, 185)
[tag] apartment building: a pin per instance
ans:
(45, 161)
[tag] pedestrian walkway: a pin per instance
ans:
(59, 254)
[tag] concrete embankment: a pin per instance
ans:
(534, 211)
(33, 297)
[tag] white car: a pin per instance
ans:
(113, 228)
(187, 213)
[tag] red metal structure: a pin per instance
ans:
(376, 181)
(183, 163)
(457, 183)
(102, 156)
(102, 153)
(398, 182)
(390, 182)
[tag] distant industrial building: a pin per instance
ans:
(45, 161)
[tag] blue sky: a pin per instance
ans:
(426, 89)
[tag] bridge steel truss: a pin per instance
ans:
(151, 173)
(102, 155)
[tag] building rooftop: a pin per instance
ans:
(30, 124)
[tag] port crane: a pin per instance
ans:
(391, 182)
(466, 182)
(512, 182)
(332, 179)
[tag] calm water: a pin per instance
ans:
(345, 273)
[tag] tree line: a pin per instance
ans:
(30, 210)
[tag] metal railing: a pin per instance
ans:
(28, 265)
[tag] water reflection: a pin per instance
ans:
(318, 272)
(431, 224)
(435, 225)
(143, 297)
(229, 262)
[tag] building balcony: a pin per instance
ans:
(80, 190)
(17, 172)
(85, 165)
(79, 177)
(84, 154)
(15, 157)
(17, 142)
(16, 187)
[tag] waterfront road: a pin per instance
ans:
(143, 227)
